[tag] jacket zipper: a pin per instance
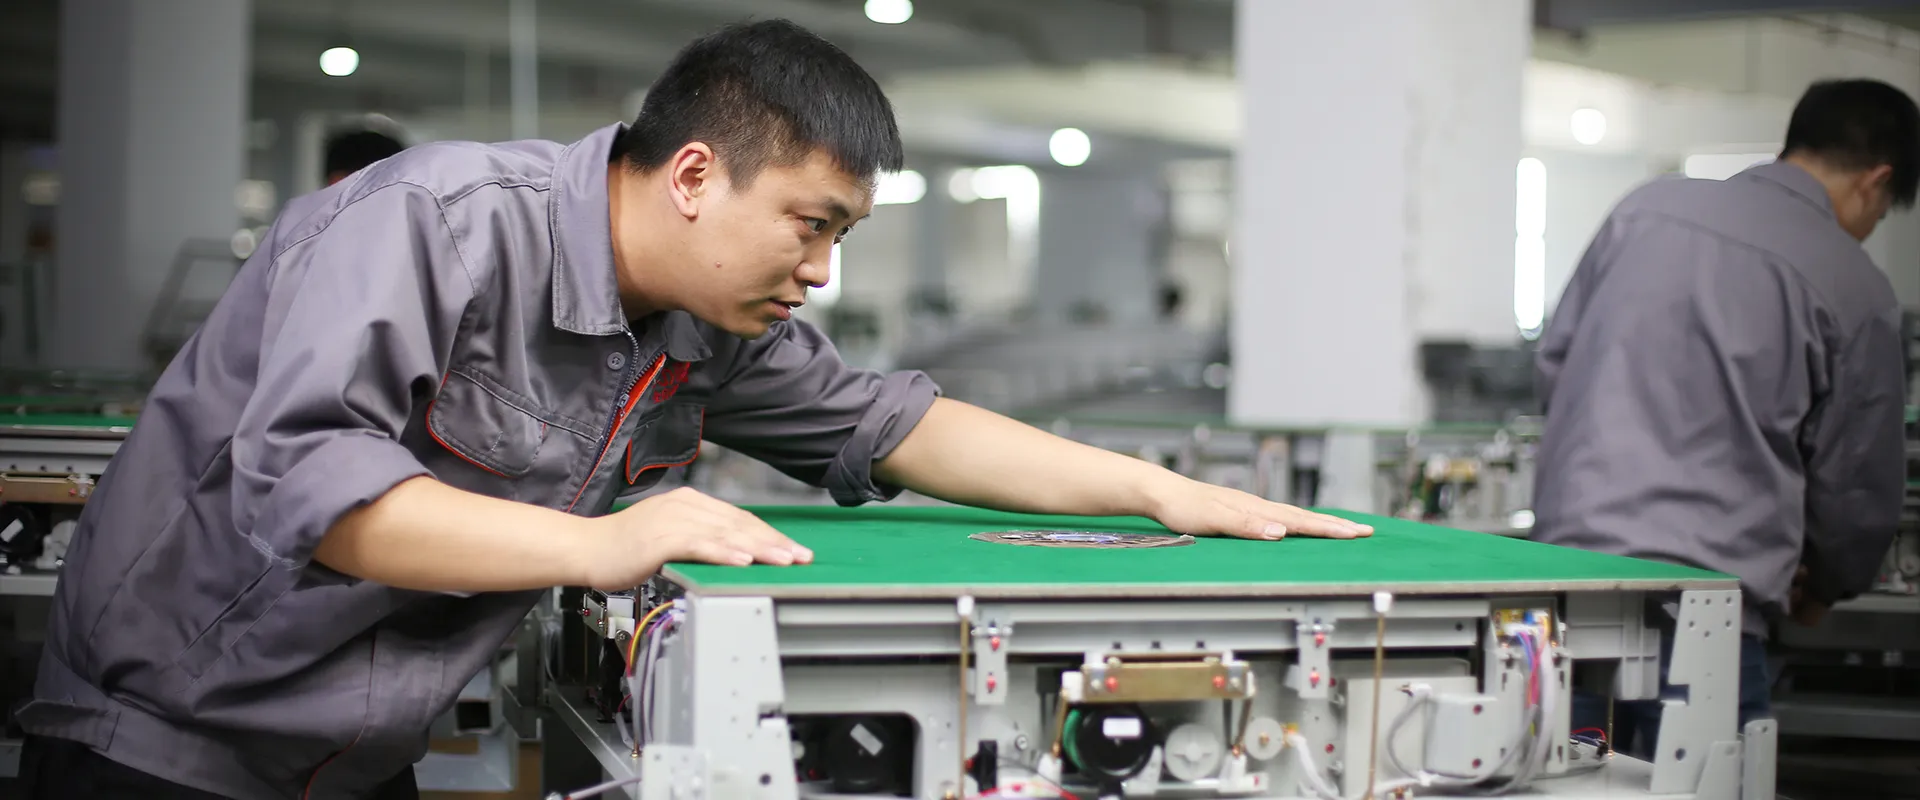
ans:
(627, 399)
(628, 379)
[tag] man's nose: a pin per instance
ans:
(817, 269)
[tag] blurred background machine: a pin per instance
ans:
(57, 432)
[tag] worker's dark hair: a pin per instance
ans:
(765, 94)
(351, 151)
(1860, 124)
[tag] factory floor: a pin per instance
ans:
(529, 775)
(1848, 769)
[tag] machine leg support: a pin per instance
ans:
(1759, 744)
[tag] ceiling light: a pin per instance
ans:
(889, 12)
(1589, 126)
(960, 186)
(1070, 147)
(1005, 182)
(900, 188)
(339, 61)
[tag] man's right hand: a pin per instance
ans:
(682, 525)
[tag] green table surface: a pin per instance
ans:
(905, 552)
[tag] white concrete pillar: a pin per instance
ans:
(1375, 199)
(153, 101)
(933, 218)
(1097, 245)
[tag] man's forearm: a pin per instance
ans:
(428, 536)
(968, 455)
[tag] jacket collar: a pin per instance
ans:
(586, 295)
(1794, 180)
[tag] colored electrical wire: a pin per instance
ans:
(633, 645)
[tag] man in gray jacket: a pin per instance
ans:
(411, 411)
(1723, 377)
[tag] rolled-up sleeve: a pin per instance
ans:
(360, 318)
(1856, 464)
(788, 400)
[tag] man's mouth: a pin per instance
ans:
(784, 308)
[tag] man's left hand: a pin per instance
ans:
(1202, 509)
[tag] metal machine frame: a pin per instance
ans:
(737, 667)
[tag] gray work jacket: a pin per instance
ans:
(448, 312)
(1723, 382)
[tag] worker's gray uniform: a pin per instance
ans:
(1723, 386)
(450, 312)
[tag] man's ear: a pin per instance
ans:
(1877, 178)
(692, 177)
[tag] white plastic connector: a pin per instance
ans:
(1382, 602)
(965, 606)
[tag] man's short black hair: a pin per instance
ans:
(765, 94)
(351, 151)
(1859, 124)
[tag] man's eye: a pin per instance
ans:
(816, 225)
(842, 235)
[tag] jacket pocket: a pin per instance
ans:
(474, 419)
(234, 621)
(666, 440)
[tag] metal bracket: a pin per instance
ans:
(1706, 660)
(71, 489)
(1720, 776)
(724, 693)
(674, 773)
(991, 631)
(1137, 679)
(1759, 744)
(1314, 671)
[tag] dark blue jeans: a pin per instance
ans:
(1636, 723)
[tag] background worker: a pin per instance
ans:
(351, 151)
(1724, 378)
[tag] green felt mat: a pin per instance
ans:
(918, 549)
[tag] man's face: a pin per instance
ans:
(757, 250)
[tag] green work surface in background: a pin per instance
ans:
(92, 421)
(925, 551)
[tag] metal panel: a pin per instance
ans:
(890, 629)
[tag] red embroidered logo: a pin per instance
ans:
(669, 383)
